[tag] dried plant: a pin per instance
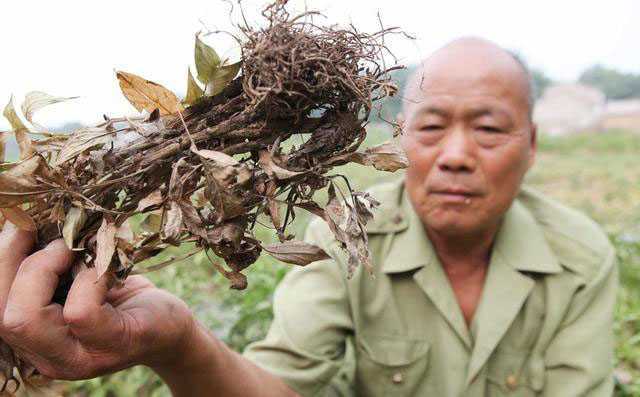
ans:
(205, 169)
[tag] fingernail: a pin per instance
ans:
(55, 244)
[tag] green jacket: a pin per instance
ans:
(543, 325)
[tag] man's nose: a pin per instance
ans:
(457, 153)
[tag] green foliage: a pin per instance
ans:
(614, 84)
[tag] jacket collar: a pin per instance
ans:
(520, 240)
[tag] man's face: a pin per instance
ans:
(469, 142)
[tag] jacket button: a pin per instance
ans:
(397, 378)
(397, 219)
(512, 382)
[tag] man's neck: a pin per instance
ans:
(465, 260)
(463, 254)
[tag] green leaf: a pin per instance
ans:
(207, 61)
(222, 77)
(194, 92)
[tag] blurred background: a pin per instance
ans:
(585, 63)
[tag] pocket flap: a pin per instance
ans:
(392, 351)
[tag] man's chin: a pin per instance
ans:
(451, 224)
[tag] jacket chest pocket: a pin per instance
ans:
(515, 373)
(391, 366)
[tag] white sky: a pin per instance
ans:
(70, 48)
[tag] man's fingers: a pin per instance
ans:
(35, 283)
(86, 311)
(15, 246)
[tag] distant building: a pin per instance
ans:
(569, 108)
(622, 114)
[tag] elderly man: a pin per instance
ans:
(482, 287)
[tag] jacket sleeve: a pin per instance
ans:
(579, 359)
(306, 343)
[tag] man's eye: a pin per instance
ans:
(432, 127)
(489, 128)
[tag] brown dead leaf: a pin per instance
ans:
(106, 246)
(57, 212)
(238, 280)
(125, 232)
(221, 159)
(147, 95)
(348, 228)
(20, 130)
(172, 223)
(83, 140)
(36, 100)
(20, 218)
(73, 223)
(191, 219)
(296, 252)
(272, 169)
(18, 183)
(384, 157)
(153, 199)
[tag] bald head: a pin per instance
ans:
(470, 62)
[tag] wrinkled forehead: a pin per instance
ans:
(477, 77)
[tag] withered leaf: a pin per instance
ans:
(194, 92)
(57, 212)
(73, 223)
(221, 77)
(226, 169)
(274, 213)
(20, 218)
(106, 246)
(36, 100)
(82, 140)
(221, 159)
(172, 223)
(238, 280)
(347, 227)
(124, 258)
(296, 252)
(272, 169)
(147, 95)
(125, 232)
(363, 204)
(206, 59)
(152, 199)
(384, 157)
(18, 183)
(191, 219)
(20, 130)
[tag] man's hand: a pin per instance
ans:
(98, 330)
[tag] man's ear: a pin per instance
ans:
(533, 141)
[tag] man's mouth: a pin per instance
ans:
(456, 195)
